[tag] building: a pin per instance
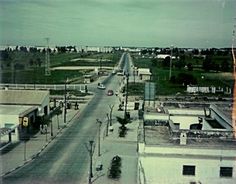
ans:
(21, 112)
(27, 98)
(16, 122)
(144, 74)
(187, 146)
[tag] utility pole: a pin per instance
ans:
(108, 122)
(99, 137)
(126, 94)
(25, 149)
(111, 109)
(134, 74)
(171, 50)
(90, 149)
(100, 63)
(65, 103)
(47, 59)
(51, 128)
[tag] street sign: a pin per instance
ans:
(149, 93)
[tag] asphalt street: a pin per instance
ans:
(67, 159)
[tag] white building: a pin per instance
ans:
(19, 111)
(13, 119)
(172, 151)
(27, 98)
(144, 74)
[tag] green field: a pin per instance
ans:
(160, 75)
(27, 67)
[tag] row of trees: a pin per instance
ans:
(178, 51)
(207, 64)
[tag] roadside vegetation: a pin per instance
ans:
(22, 65)
(207, 67)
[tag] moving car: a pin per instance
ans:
(110, 92)
(101, 86)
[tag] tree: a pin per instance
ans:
(225, 66)
(186, 79)
(154, 61)
(190, 67)
(122, 128)
(39, 62)
(207, 63)
(31, 62)
(180, 64)
(166, 62)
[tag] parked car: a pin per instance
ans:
(110, 92)
(101, 86)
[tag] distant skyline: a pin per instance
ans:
(140, 23)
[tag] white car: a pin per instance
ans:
(101, 86)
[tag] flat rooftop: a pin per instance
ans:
(14, 109)
(161, 136)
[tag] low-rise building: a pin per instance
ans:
(16, 122)
(21, 112)
(144, 74)
(187, 146)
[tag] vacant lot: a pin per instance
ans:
(28, 67)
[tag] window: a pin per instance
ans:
(226, 171)
(189, 170)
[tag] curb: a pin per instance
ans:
(34, 156)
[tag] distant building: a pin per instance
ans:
(187, 146)
(208, 89)
(144, 74)
(163, 56)
(89, 78)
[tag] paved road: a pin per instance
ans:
(66, 161)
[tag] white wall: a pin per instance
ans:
(184, 121)
(44, 103)
(199, 112)
(168, 170)
(10, 119)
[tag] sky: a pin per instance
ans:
(139, 23)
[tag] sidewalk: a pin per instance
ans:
(124, 147)
(22, 153)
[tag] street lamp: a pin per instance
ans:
(99, 132)
(65, 91)
(126, 94)
(171, 50)
(90, 149)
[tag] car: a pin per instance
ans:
(101, 86)
(110, 92)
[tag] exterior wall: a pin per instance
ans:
(44, 103)
(184, 121)
(222, 119)
(145, 77)
(168, 170)
(186, 112)
(165, 164)
(156, 116)
(10, 119)
(14, 136)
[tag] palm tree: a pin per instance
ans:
(122, 128)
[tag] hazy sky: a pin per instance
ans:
(182, 23)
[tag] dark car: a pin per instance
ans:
(110, 92)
